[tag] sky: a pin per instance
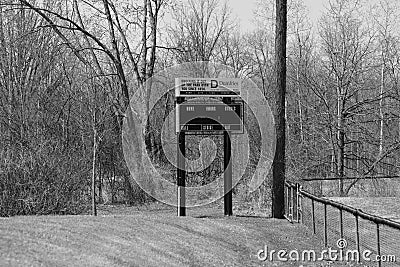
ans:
(244, 10)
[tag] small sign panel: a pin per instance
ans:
(210, 117)
(226, 87)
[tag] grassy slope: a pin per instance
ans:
(386, 207)
(147, 238)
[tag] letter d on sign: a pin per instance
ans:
(262, 254)
(214, 84)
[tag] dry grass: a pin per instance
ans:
(148, 236)
(386, 207)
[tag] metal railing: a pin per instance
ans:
(292, 202)
(333, 222)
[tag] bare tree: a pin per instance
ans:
(43, 162)
(198, 29)
(116, 50)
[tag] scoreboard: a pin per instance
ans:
(210, 117)
(207, 117)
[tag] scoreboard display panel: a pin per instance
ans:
(210, 117)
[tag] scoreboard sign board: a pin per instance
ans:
(209, 117)
(225, 87)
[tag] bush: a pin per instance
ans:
(41, 186)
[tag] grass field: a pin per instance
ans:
(386, 207)
(152, 236)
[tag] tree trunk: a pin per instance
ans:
(340, 137)
(113, 189)
(299, 104)
(94, 210)
(278, 166)
(100, 185)
(381, 115)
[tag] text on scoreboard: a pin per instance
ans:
(225, 87)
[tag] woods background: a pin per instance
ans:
(68, 69)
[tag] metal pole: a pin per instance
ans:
(378, 243)
(301, 204)
(290, 215)
(358, 237)
(325, 226)
(287, 202)
(227, 175)
(297, 203)
(313, 215)
(341, 222)
(181, 174)
(285, 189)
(292, 201)
(227, 169)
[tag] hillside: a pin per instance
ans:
(147, 238)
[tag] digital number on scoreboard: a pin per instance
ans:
(210, 117)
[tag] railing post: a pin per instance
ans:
(285, 189)
(288, 199)
(298, 203)
(325, 226)
(378, 243)
(357, 237)
(289, 194)
(313, 216)
(292, 201)
(301, 197)
(288, 202)
(341, 222)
